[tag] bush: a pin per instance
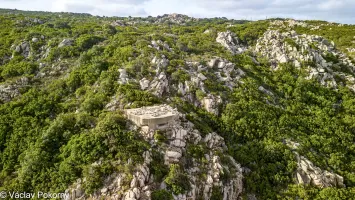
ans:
(177, 181)
(161, 195)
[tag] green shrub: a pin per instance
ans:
(161, 195)
(177, 181)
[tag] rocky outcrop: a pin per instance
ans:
(160, 45)
(66, 42)
(35, 40)
(179, 136)
(226, 71)
(290, 23)
(307, 174)
(144, 83)
(231, 42)
(174, 18)
(159, 85)
(24, 49)
(211, 103)
(11, 91)
(118, 23)
(160, 63)
(54, 70)
(123, 78)
(297, 49)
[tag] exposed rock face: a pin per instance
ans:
(160, 63)
(207, 31)
(226, 71)
(10, 91)
(174, 18)
(288, 23)
(144, 83)
(267, 92)
(307, 173)
(66, 42)
(211, 103)
(45, 52)
(291, 47)
(159, 85)
(231, 42)
(24, 48)
(123, 78)
(159, 45)
(118, 23)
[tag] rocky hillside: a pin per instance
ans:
(174, 107)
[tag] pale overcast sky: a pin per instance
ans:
(342, 11)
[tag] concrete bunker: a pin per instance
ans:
(155, 117)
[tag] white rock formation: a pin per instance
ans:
(160, 63)
(231, 42)
(160, 45)
(292, 47)
(307, 173)
(144, 83)
(24, 48)
(12, 90)
(123, 78)
(159, 85)
(66, 42)
(211, 103)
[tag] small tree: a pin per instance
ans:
(177, 180)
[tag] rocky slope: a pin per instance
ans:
(203, 174)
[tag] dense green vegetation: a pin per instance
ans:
(59, 129)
